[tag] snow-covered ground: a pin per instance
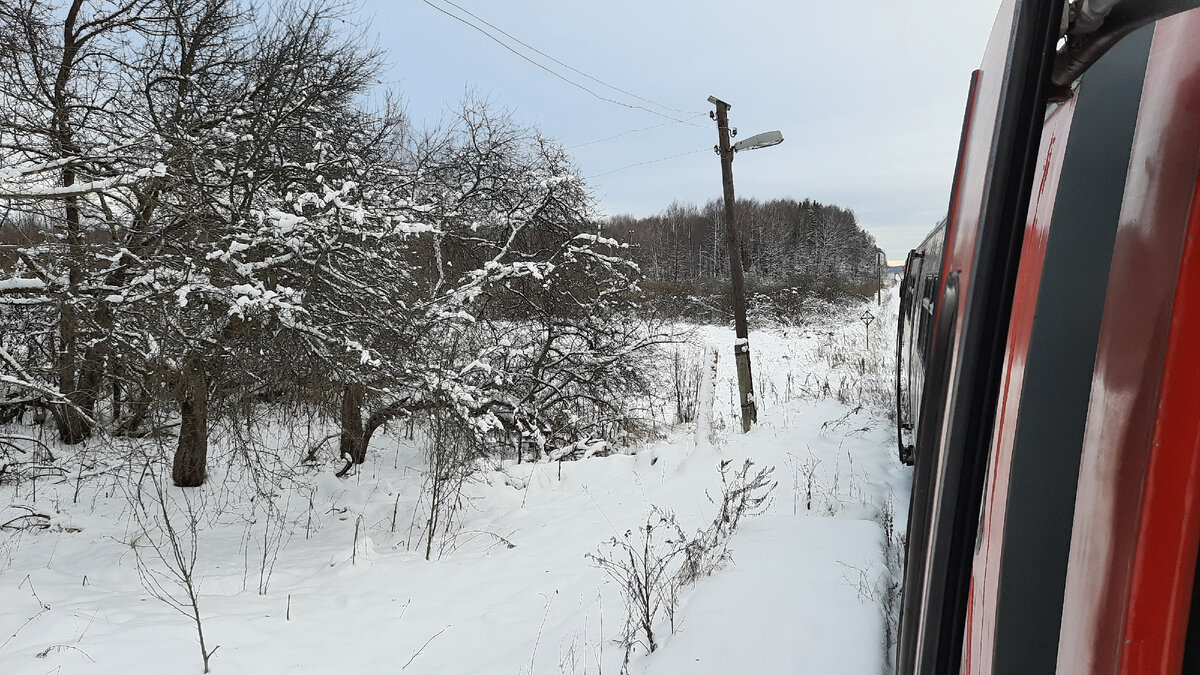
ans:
(347, 589)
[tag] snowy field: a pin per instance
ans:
(332, 576)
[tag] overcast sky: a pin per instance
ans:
(869, 95)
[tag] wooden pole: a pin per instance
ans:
(880, 263)
(741, 347)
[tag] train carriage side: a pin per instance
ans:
(1001, 130)
(919, 294)
(1129, 604)
(1055, 516)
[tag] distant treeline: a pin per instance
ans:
(789, 247)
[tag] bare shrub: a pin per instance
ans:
(275, 536)
(742, 494)
(450, 455)
(652, 566)
(865, 369)
(646, 571)
(893, 553)
(166, 544)
(686, 376)
(804, 481)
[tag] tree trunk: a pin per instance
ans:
(135, 399)
(353, 444)
(116, 395)
(356, 434)
(374, 421)
(192, 453)
(91, 378)
(131, 426)
(72, 427)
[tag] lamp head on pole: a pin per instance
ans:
(763, 140)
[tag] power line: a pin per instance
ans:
(565, 65)
(555, 74)
(650, 161)
(626, 133)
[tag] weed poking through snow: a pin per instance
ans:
(654, 562)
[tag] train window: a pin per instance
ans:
(928, 310)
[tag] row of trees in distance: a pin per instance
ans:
(793, 247)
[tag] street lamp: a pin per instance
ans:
(741, 347)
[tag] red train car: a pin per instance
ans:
(1049, 360)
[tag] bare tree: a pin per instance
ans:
(65, 145)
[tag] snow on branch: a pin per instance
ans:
(16, 192)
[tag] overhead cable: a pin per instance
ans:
(651, 161)
(626, 133)
(566, 65)
(554, 73)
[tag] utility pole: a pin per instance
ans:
(880, 265)
(741, 347)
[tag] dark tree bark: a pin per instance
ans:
(192, 453)
(91, 379)
(356, 433)
(72, 427)
(116, 394)
(353, 444)
(138, 402)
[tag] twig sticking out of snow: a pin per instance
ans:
(418, 652)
